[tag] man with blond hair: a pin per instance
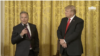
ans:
(69, 33)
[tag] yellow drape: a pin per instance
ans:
(46, 15)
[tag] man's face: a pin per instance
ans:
(68, 13)
(24, 18)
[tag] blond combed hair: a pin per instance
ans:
(72, 8)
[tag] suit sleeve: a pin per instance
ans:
(76, 33)
(15, 36)
(59, 31)
(36, 49)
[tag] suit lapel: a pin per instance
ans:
(65, 23)
(31, 30)
(20, 28)
(72, 22)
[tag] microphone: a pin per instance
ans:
(25, 27)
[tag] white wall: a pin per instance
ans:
(2, 28)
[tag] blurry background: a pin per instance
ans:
(47, 15)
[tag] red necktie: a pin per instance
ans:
(67, 26)
(28, 32)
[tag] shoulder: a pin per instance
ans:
(17, 26)
(79, 19)
(33, 25)
(64, 18)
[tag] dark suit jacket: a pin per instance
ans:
(72, 36)
(23, 44)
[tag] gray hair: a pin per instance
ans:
(23, 12)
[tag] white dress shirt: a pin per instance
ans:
(28, 27)
(72, 18)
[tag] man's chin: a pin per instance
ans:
(25, 23)
(66, 16)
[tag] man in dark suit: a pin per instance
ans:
(25, 36)
(69, 33)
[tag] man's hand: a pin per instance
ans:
(24, 31)
(62, 41)
(64, 45)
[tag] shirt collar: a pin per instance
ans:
(26, 24)
(72, 17)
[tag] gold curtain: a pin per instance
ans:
(46, 15)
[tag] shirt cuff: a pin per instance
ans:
(21, 36)
(64, 41)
